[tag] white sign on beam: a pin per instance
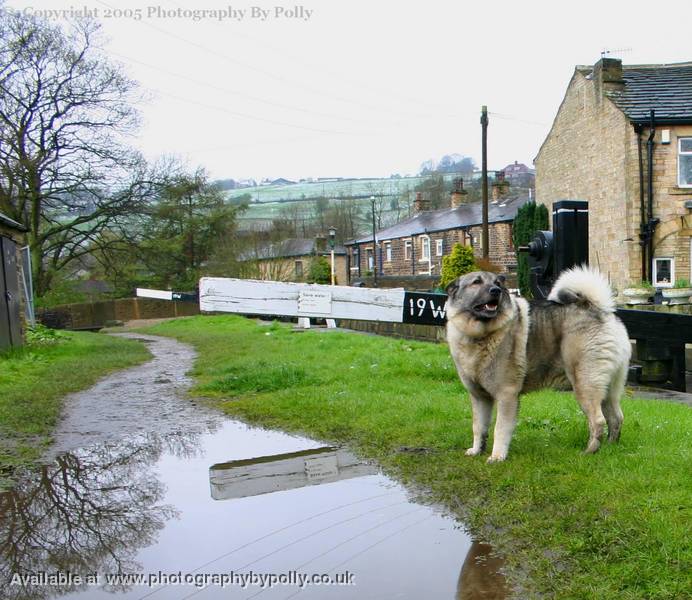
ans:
(158, 294)
(315, 301)
(244, 296)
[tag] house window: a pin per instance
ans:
(664, 272)
(425, 248)
(371, 262)
(407, 249)
(685, 162)
(356, 260)
(438, 247)
(299, 269)
(388, 251)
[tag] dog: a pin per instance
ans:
(504, 346)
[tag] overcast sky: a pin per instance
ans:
(363, 88)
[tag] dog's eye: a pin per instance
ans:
(477, 281)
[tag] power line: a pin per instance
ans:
(398, 95)
(284, 528)
(240, 93)
(269, 74)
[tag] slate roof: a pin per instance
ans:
(5, 220)
(466, 215)
(666, 88)
(287, 249)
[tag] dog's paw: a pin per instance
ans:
(496, 458)
(473, 452)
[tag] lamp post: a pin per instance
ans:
(374, 245)
(332, 242)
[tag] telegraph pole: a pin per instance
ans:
(485, 244)
(374, 244)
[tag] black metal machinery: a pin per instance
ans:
(567, 245)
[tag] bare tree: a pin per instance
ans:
(65, 171)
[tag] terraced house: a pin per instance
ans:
(415, 246)
(290, 259)
(622, 140)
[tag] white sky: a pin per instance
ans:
(365, 88)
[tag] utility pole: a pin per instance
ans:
(485, 244)
(374, 244)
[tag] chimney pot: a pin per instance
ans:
(458, 195)
(320, 243)
(607, 76)
(500, 186)
(421, 203)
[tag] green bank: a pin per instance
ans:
(612, 525)
(34, 380)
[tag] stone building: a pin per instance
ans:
(611, 120)
(12, 284)
(290, 259)
(415, 246)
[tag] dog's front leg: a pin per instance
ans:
(507, 408)
(482, 412)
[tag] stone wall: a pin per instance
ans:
(421, 283)
(284, 269)
(94, 315)
(424, 333)
(591, 154)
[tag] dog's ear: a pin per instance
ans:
(452, 288)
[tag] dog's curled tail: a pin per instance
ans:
(582, 285)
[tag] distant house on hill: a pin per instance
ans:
(611, 118)
(520, 175)
(416, 245)
(282, 181)
(290, 259)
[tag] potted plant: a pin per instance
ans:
(680, 292)
(638, 293)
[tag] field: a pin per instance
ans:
(615, 525)
(269, 201)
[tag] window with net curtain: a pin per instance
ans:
(685, 162)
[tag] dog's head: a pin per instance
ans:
(479, 300)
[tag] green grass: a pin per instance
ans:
(612, 525)
(34, 379)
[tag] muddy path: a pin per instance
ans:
(144, 399)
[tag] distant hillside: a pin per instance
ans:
(343, 188)
(270, 202)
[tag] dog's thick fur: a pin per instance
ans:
(503, 346)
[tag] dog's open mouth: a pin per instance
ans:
(489, 309)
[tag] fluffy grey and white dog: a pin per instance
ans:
(504, 346)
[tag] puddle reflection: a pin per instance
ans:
(89, 511)
(144, 506)
(481, 577)
(267, 474)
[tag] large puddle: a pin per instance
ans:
(228, 511)
(236, 502)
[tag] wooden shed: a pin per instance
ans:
(12, 283)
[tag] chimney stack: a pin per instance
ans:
(421, 204)
(500, 186)
(458, 195)
(320, 244)
(607, 76)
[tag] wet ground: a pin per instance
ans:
(147, 494)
